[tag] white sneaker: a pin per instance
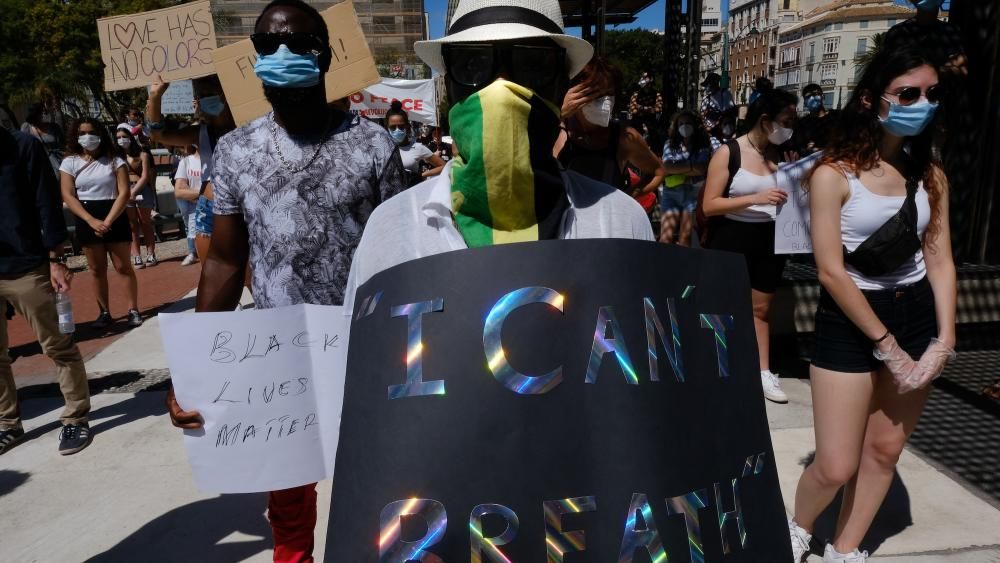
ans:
(800, 541)
(831, 555)
(189, 259)
(772, 388)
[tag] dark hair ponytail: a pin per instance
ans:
(770, 102)
(396, 108)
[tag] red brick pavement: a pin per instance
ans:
(160, 285)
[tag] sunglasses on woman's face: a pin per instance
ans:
(298, 42)
(911, 94)
(397, 128)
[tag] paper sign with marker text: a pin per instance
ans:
(352, 66)
(175, 43)
(268, 384)
(791, 224)
(177, 100)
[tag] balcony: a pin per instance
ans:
(828, 82)
(789, 64)
(830, 56)
(810, 59)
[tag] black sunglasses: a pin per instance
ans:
(298, 42)
(911, 94)
(473, 66)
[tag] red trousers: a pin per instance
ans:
(292, 513)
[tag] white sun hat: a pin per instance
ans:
(483, 21)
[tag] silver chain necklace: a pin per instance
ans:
(281, 156)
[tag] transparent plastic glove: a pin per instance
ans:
(930, 366)
(899, 363)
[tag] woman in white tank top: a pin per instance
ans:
(743, 214)
(885, 324)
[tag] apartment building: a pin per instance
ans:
(822, 48)
(390, 26)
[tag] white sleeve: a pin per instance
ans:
(68, 165)
(182, 169)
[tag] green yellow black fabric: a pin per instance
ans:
(505, 183)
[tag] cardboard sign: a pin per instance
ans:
(177, 99)
(513, 401)
(269, 384)
(419, 99)
(791, 224)
(352, 67)
(174, 43)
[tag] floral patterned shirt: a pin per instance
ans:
(304, 226)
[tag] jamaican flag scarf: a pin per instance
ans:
(505, 183)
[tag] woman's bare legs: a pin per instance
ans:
(97, 263)
(148, 233)
(119, 252)
(762, 325)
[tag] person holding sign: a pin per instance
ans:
(885, 325)
(95, 187)
(293, 190)
(411, 151)
(742, 194)
(502, 113)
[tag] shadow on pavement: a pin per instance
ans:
(10, 480)
(192, 533)
(101, 420)
(892, 517)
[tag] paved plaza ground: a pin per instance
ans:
(130, 495)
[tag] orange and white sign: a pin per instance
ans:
(417, 96)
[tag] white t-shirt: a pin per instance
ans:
(412, 154)
(418, 223)
(190, 168)
(95, 180)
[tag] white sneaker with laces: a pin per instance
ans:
(831, 555)
(189, 259)
(800, 541)
(772, 388)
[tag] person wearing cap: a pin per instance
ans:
(716, 100)
(506, 66)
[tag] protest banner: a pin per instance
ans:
(177, 99)
(352, 66)
(174, 43)
(418, 97)
(525, 401)
(791, 224)
(268, 384)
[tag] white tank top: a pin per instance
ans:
(863, 214)
(748, 183)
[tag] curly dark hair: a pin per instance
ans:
(858, 132)
(108, 146)
(698, 141)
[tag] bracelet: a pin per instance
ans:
(884, 336)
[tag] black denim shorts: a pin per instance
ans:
(755, 241)
(907, 311)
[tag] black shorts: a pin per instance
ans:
(908, 312)
(755, 241)
(120, 230)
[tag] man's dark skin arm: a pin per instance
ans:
(219, 289)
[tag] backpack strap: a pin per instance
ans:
(735, 161)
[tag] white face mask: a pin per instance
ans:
(124, 142)
(686, 130)
(598, 111)
(780, 134)
(89, 141)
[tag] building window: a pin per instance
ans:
(891, 22)
(828, 99)
(862, 45)
(831, 46)
(828, 72)
(838, 26)
(864, 24)
(786, 5)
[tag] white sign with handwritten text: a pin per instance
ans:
(791, 224)
(269, 385)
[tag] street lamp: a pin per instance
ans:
(752, 31)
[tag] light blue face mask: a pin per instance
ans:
(398, 135)
(908, 121)
(211, 105)
(928, 5)
(285, 69)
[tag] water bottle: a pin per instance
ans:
(64, 308)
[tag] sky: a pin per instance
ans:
(650, 18)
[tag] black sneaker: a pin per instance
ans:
(74, 437)
(10, 437)
(103, 320)
(134, 318)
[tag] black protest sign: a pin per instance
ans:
(562, 400)
(174, 43)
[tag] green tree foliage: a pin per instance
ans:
(862, 60)
(51, 52)
(635, 51)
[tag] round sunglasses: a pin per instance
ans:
(910, 94)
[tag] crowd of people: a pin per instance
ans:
(306, 203)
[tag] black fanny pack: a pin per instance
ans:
(895, 242)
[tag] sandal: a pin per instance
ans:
(992, 391)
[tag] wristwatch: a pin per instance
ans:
(58, 260)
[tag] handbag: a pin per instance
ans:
(892, 244)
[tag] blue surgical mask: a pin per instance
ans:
(211, 105)
(398, 135)
(928, 5)
(908, 121)
(285, 69)
(814, 103)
